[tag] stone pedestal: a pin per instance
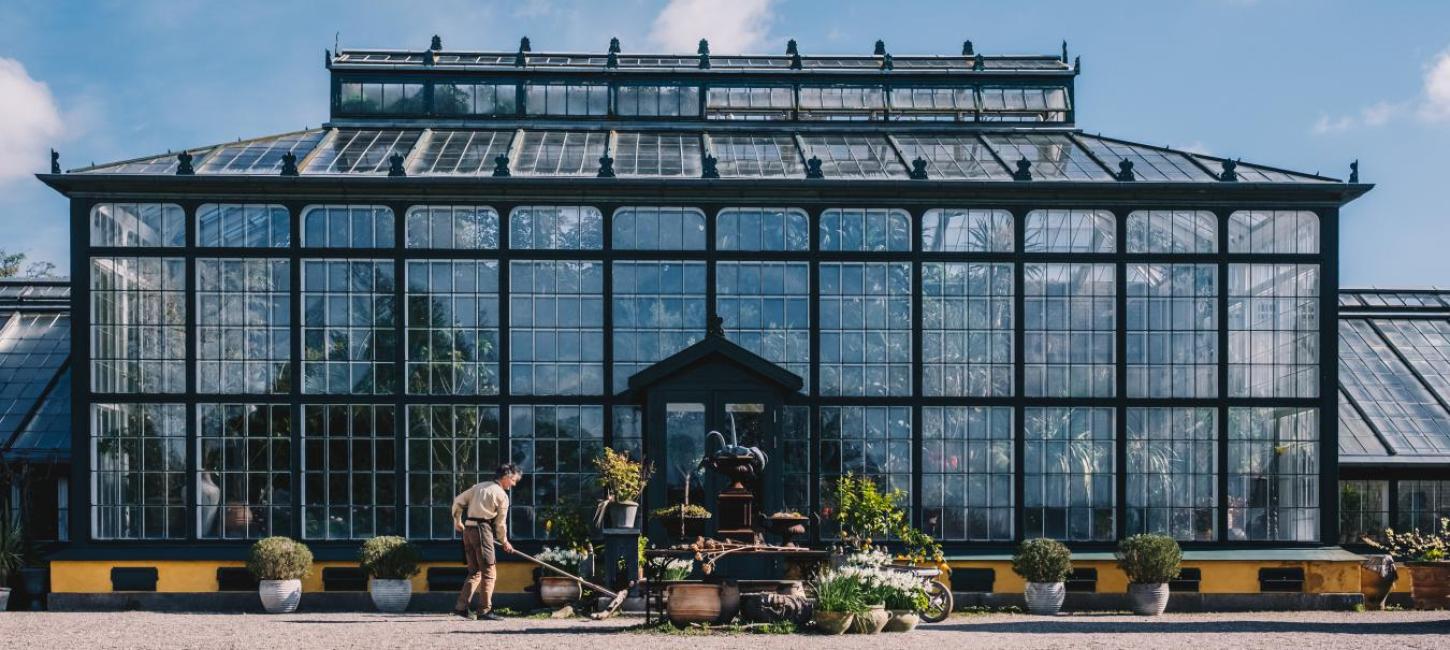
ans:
(621, 549)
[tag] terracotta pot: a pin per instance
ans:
(1375, 587)
(558, 591)
(692, 602)
(833, 622)
(902, 620)
(1430, 584)
(391, 596)
(871, 621)
(280, 596)
(1148, 599)
(1045, 598)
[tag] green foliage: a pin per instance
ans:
(10, 264)
(280, 558)
(566, 523)
(864, 512)
(1149, 559)
(12, 547)
(918, 546)
(839, 592)
(912, 600)
(622, 479)
(1415, 546)
(688, 511)
(1042, 560)
(389, 558)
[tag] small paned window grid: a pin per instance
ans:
(849, 103)
(1364, 510)
(1421, 506)
(1172, 232)
(762, 229)
(243, 225)
(381, 98)
(854, 156)
(966, 483)
(1022, 104)
(138, 469)
(869, 442)
(967, 329)
(757, 156)
(659, 309)
(452, 227)
(1069, 231)
(865, 329)
(461, 98)
(138, 324)
(795, 456)
(916, 103)
(766, 309)
(874, 230)
(658, 228)
(628, 431)
(244, 482)
(952, 157)
(1425, 345)
(243, 325)
(450, 447)
(554, 445)
(1273, 474)
(657, 101)
(349, 327)
(556, 327)
(966, 231)
(750, 103)
(1292, 232)
(1068, 337)
(453, 327)
(1173, 472)
(1273, 330)
(347, 226)
(566, 99)
(1069, 473)
(138, 225)
(1172, 330)
(556, 227)
(349, 484)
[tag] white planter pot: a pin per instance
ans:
(4, 598)
(1045, 598)
(280, 596)
(1148, 600)
(391, 596)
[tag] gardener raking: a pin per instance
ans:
(481, 514)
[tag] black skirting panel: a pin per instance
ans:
(134, 578)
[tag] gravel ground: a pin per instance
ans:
(1282, 630)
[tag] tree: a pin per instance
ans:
(10, 265)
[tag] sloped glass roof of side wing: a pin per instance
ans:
(1355, 436)
(360, 151)
(1249, 173)
(259, 156)
(1394, 401)
(953, 157)
(1425, 345)
(854, 156)
(33, 347)
(757, 156)
(47, 435)
(1149, 163)
(460, 152)
(1054, 156)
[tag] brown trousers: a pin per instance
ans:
(478, 554)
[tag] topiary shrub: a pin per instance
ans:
(1149, 559)
(1042, 560)
(279, 558)
(389, 558)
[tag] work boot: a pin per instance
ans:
(489, 616)
(466, 613)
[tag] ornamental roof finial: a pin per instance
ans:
(813, 168)
(501, 166)
(54, 161)
(614, 45)
(709, 167)
(880, 48)
(437, 44)
(395, 165)
(1125, 170)
(1229, 175)
(289, 164)
(1024, 170)
(967, 49)
(606, 166)
(918, 169)
(1353, 170)
(183, 164)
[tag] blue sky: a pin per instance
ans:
(1307, 85)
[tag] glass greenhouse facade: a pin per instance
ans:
(1030, 330)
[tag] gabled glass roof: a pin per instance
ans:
(757, 156)
(1149, 163)
(32, 348)
(1054, 156)
(360, 151)
(1393, 400)
(953, 157)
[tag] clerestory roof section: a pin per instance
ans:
(443, 60)
(1394, 357)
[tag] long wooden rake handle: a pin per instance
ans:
(566, 574)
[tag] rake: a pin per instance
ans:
(617, 599)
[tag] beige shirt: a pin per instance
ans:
(486, 501)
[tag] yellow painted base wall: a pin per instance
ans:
(92, 577)
(1219, 577)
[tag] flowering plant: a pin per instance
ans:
(1415, 546)
(880, 584)
(567, 559)
(675, 569)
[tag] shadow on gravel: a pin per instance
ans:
(571, 631)
(366, 621)
(1195, 627)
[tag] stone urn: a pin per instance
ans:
(558, 591)
(1148, 599)
(1429, 584)
(280, 596)
(681, 528)
(902, 620)
(692, 602)
(391, 596)
(1045, 598)
(788, 527)
(871, 621)
(776, 608)
(1377, 577)
(834, 622)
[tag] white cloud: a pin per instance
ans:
(1380, 113)
(1326, 124)
(29, 122)
(1437, 90)
(1377, 114)
(731, 26)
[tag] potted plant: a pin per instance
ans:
(391, 562)
(556, 590)
(1151, 561)
(683, 522)
(864, 513)
(623, 481)
(11, 549)
(567, 524)
(1044, 564)
(279, 564)
(693, 602)
(905, 600)
(1427, 556)
(839, 597)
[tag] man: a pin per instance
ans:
(481, 514)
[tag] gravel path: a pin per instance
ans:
(1281, 631)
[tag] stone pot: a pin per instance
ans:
(692, 602)
(902, 620)
(558, 591)
(1375, 586)
(729, 602)
(788, 528)
(4, 598)
(1429, 584)
(391, 596)
(1148, 599)
(871, 621)
(1045, 598)
(622, 514)
(280, 596)
(834, 622)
